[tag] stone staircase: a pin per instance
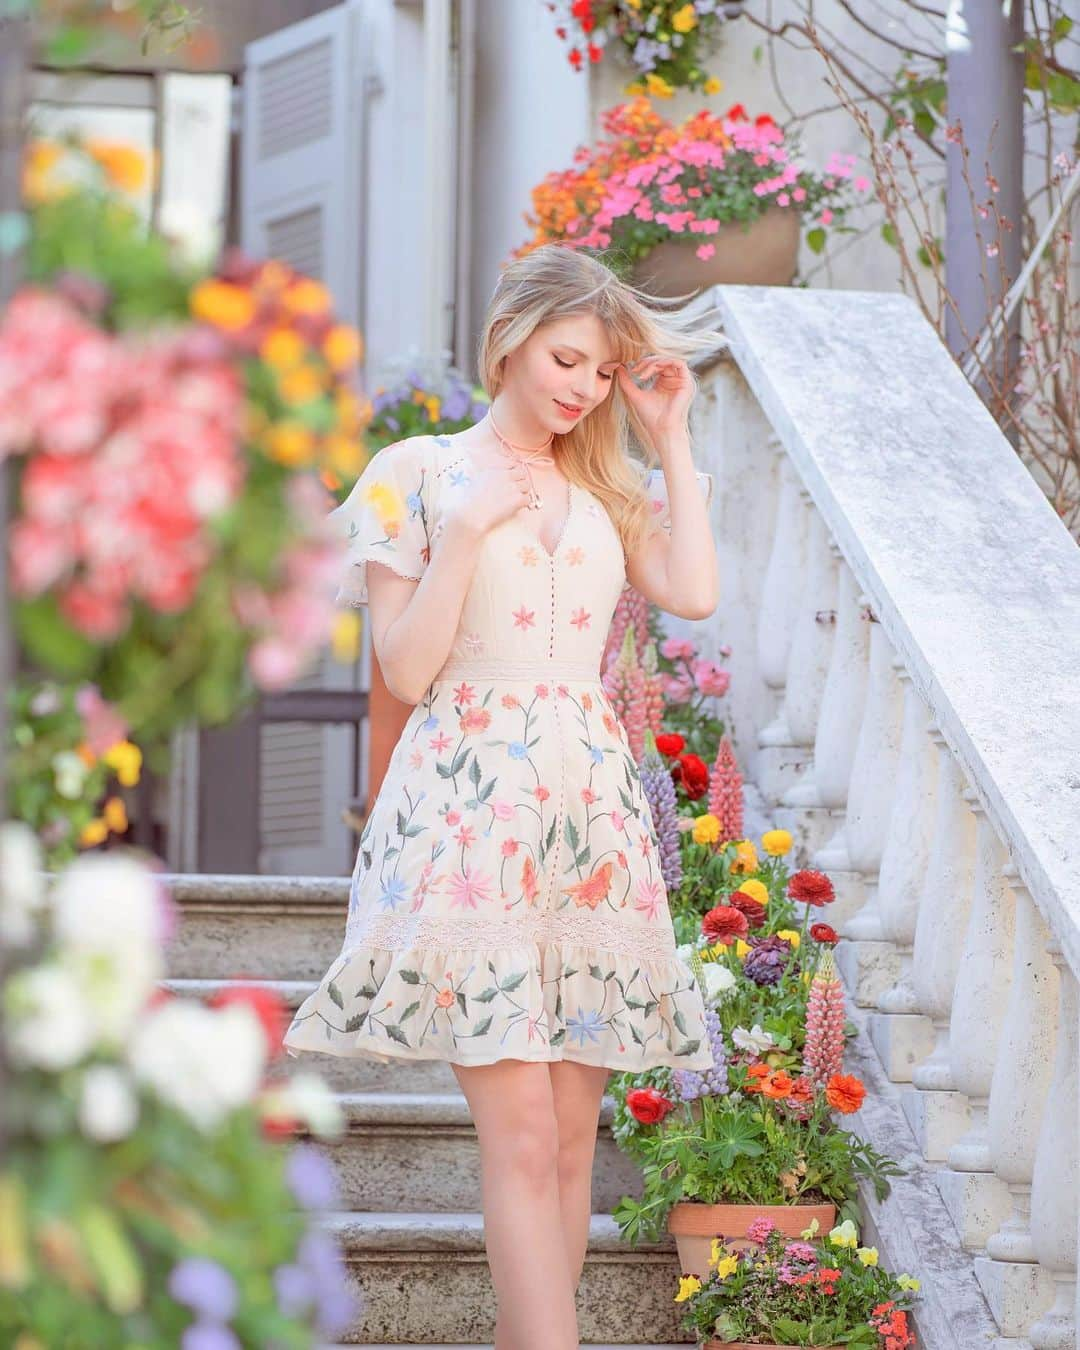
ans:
(408, 1161)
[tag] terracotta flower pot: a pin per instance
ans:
(762, 253)
(694, 1226)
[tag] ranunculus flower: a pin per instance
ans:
(778, 1085)
(753, 909)
(671, 743)
(693, 773)
(844, 1093)
(776, 842)
(811, 888)
(648, 1105)
(724, 924)
(706, 829)
(824, 932)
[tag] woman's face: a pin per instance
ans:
(563, 371)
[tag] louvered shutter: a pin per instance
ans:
(300, 148)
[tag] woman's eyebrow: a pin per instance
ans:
(578, 352)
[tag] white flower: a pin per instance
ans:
(307, 1098)
(106, 920)
(718, 981)
(70, 772)
(685, 950)
(47, 1024)
(205, 1062)
(756, 1040)
(22, 884)
(108, 1107)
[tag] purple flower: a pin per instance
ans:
(659, 792)
(456, 403)
(311, 1178)
(766, 960)
(204, 1286)
(321, 1257)
(208, 1336)
(295, 1289)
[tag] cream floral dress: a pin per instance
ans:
(507, 900)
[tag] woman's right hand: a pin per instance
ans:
(493, 494)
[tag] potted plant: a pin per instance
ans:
(787, 1293)
(679, 207)
(665, 42)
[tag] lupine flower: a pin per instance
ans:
(659, 792)
(824, 1049)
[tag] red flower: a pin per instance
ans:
(266, 1006)
(648, 1105)
(753, 909)
(724, 924)
(764, 120)
(802, 1090)
(828, 1278)
(693, 773)
(844, 1093)
(823, 932)
(811, 888)
(736, 113)
(575, 58)
(670, 743)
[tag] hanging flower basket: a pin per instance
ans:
(694, 1226)
(761, 252)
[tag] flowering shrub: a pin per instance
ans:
(145, 1196)
(666, 41)
(808, 1292)
(415, 405)
(70, 753)
(654, 180)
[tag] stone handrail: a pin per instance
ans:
(907, 706)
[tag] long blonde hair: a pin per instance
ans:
(555, 281)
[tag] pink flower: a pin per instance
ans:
(704, 251)
(826, 217)
(677, 649)
(711, 679)
(760, 1229)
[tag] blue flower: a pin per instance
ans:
(585, 1024)
(393, 891)
(429, 723)
(597, 754)
(518, 750)
(459, 477)
(204, 1286)
(413, 502)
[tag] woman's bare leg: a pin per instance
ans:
(513, 1109)
(578, 1091)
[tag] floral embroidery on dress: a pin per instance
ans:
(506, 898)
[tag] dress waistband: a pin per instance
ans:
(518, 670)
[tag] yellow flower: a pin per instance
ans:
(741, 949)
(124, 166)
(222, 304)
(706, 829)
(115, 813)
(807, 976)
(302, 385)
(845, 1235)
(715, 1250)
(633, 4)
(757, 890)
(434, 408)
(306, 296)
(95, 832)
(658, 86)
(38, 163)
(347, 406)
(634, 88)
(868, 1255)
(728, 1266)
(282, 348)
(776, 842)
(688, 1284)
(343, 347)
(684, 20)
(345, 636)
(790, 935)
(345, 454)
(290, 443)
(746, 859)
(909, 1282)
(126, 759)
(712, 85)
(811, 1232)
(388, 503)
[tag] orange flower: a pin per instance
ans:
(755, 1073)
(844, 1093)
(444, 997)
(125, 167)
(777, 1085)
(306, 296)
(342, 347)
(222, 304)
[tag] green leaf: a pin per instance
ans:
(815, 239)
(335, 995)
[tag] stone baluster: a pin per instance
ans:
(937, 1113)
(868, 964)
(779, 597)
(901, 1037)
(1017, 1288)
(1056, 1176)
(977, 1199)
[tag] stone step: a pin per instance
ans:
(271, 928)
(424, 1280)
(405, 1152)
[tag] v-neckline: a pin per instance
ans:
(460, 454)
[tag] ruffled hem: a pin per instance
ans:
(539, 1002)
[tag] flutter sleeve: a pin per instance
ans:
(385, 517)
(656, 487)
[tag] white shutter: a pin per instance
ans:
(300, 202)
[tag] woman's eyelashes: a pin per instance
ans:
(569, 365)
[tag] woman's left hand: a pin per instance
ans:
(663, 409)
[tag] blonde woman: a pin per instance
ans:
(507, 910)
